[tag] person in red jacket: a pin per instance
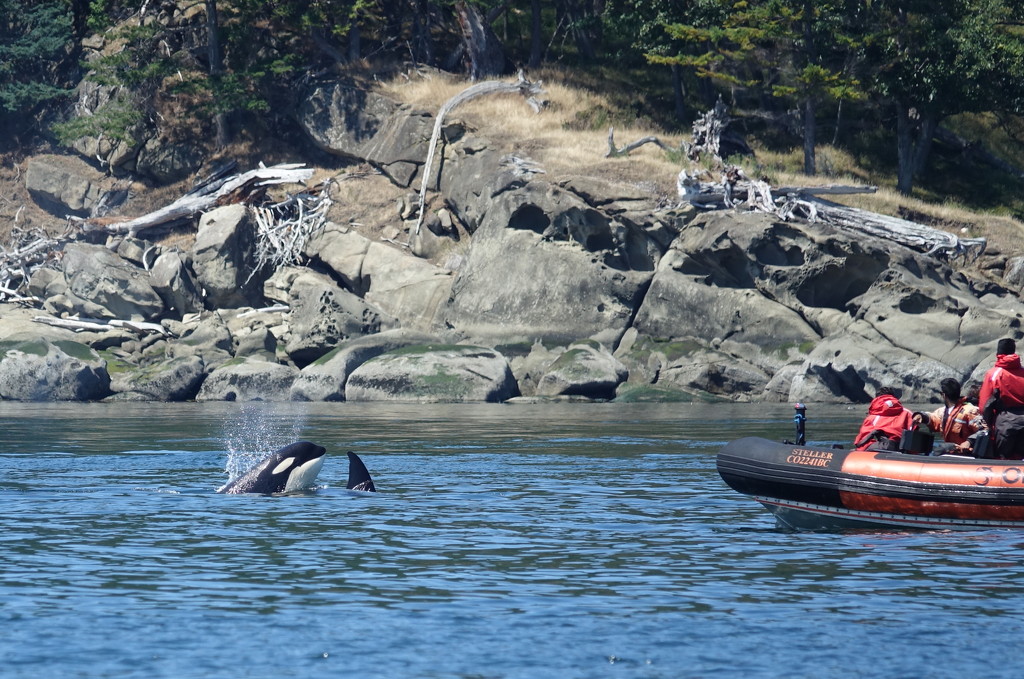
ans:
(1002, 394)
(888, 417)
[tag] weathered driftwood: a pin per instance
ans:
(726, 192)
(282, 229)
(805, 202)
(27, 252)
(917, 236)
(707, 132)
(233, 190)
(522, 86)
(615, 152)
(100, 325)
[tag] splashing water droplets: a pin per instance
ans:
(254, 434)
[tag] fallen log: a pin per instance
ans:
(790, 202)
(100, 325)
(522, 86)
(240, 188)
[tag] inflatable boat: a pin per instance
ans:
(808, 487)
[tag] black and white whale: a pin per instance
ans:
(293, 468)
(358, 477)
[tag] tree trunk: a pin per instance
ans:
(536, 44)
(355, 48)
(422, 45)
(483, 49)
(904, 150)
(678, 93)
(810, 137)
(925, 134)
(216, 68)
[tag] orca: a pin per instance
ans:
(358, 477)
(292, 468)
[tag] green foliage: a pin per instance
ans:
(34, 35)
(115, 120)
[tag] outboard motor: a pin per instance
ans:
(799, 419)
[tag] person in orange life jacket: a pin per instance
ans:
(1002, 392)
(956, 420)
(885, 415)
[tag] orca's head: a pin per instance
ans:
(295, 467)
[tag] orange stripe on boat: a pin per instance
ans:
(970, 474)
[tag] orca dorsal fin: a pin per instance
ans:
(358, 477)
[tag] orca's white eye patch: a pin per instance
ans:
(283, 465)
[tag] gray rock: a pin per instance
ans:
(433, 373)
(404, 287)
(368, 126)
(36, 369)
(171, 379)
(65, 185)
(325, 378)
(322, 314)
(530, 244)
(1013, 274)
(224, 261)
(210, 339)
(173, 281)
(101, 284)
(168, 162)
(715, 373)
(248, 380)
(584, 369)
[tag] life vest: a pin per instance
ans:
(958, 423)
(887, 414)
(1008, 377)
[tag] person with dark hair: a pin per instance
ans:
(957, 420)
(1002, 401)
(886, 421)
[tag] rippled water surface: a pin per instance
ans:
(525, 541)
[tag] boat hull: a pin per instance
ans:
(807, 487)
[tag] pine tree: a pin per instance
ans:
(34, 45)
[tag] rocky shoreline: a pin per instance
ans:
(518, 285)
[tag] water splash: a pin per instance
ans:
(256, 432)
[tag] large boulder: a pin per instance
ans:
(35, 369)
(584, 369)
(172, 379)
(367, 126)
(169, 161)
(407, 288)
(322, 314)
(545, 265)
(325, 378)
(102, 284)
(794, 311)
(208, 338)
(173, 281)
(65, 185)
(248, 380)
(433, 373)
(223, 258)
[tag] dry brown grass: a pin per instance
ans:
(551, 138)
(556, 139)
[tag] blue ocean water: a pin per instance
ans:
(512, 541)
